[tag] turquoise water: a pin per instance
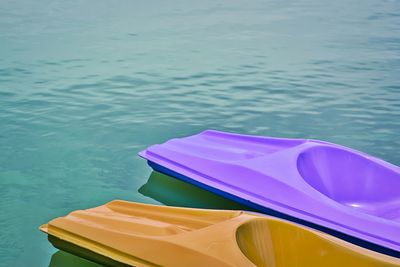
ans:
(85, 85)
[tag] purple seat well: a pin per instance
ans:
(323, 185)
(352, 180)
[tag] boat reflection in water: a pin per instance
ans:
(174, 192)
(64, 259)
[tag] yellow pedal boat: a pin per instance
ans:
(122, 233)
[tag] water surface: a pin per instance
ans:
(85, 85)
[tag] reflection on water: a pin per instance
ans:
(173, 192)
(64, 259)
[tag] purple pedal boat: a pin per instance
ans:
(329, 187)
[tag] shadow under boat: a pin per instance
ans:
(173, 192)
(65, 259)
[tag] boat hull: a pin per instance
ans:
(122, 233)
